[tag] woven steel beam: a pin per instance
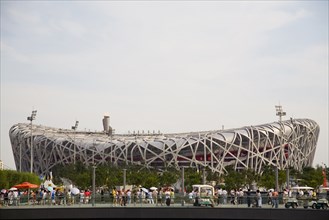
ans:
(282, 144)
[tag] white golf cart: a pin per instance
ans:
(204, 195)
(322, 201)
(295, 200)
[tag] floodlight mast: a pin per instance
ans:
(74, 128)
(279, 112)
(31, 118)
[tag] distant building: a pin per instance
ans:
(282, 144)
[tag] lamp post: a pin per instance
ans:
(31, 118)
(124, 179)
(94, 185)
(290, 145)
(74, 128)
(280, 113)
(20, 157)
(203, 175)
(183, 181)
(276, 178)
(183, 186)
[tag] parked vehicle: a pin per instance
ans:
(322, 201)
(291, 202)
(204, 195)
(294, 202)
(309, 203)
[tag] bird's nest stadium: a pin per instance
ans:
(290, 143)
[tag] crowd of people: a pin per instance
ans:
(163, 196)
(156, 196)
(59, 196)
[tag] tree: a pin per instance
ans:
(211, 176)
(312, 176)
(267, 179)
(168, 177)
(250, 177)
(191, 177)
(233, 179)
(9, 178)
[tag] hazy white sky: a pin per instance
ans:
(173, 66)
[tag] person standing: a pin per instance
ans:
(102, 195)
(240, 196)
(248, 194)
(259, 198)
(167, 196)
(154, 195)
(160, 192)
(270, 198)
(128, 194)
(114, 195)
(172, 195)
(123, 197)
(275, 199)
(224, 193)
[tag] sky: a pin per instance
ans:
(168, 66)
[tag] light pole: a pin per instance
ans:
(74, 128)
(280, 113)
(276, 178)
(31, 118)
(183, 181)
(203, 175)
(124, 179)
(20, 157)
(290, 145)
(183, 186)
(94, 185)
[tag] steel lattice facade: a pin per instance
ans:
(282, 144)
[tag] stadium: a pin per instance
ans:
(290, 143)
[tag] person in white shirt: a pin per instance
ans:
(128, 196)
(300, 193)
(224, 196)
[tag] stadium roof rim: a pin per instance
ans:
(286, 143)
(39, 127)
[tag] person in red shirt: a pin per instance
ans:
(87, 196)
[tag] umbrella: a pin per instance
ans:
(49, 188)
(153, 188)
(26, 185)
(3, 191)
(13, 189)
(145, 190)
(75, 191)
